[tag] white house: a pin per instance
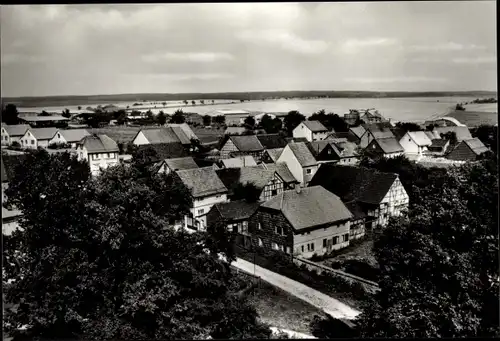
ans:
(157, 135)
(300, 162)
(181, 163)
(13, 133)
(69, 136)
(415, 142)
(302, 221)
(206, 190)
(311, 130)
(100, 151)
(37, 137)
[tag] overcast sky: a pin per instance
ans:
(169, 48)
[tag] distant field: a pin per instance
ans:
(474, 118)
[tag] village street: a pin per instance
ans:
(324, 302)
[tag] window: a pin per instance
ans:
(274, 192)
(230, 228)
(302, 248)
(324, 242)
(244, 227)
(312, 246)
(346, 237)
(58, 135)
(200, 211)
(260, 242)
(259, 226)
(308, 171)
(32, 142)
(288, 250)
(329, 151)
(335, 240)
(81, 155)
(278, 230)
(107, 155)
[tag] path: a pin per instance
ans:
(292, 334)
(324, 302)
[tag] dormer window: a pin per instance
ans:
(58, 135)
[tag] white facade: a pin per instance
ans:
(227, 149)
(140, 139)
(410, 146)
(201, 207)
(6, 141)
(302, 131)
(322, 240)
(302, 174)
(97, 161)
(395, 201)
(31, 142)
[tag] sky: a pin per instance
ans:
(177, 48)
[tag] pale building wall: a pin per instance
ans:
(29, 141)
(140, 139)
(227, 148)
(395, 201)
(5, 138)
(201, 207)
(409, 145)
(97, 161)
(308, 176)
(43, 143)
(288, 157)
(302, 131)
(317, 236)
(366, 139)
(58, 138)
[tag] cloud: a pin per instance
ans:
(450, 46)
(184, 77)
(15, 58)
(196, 57)
(415, 79)
(353, 45)
(475, 60)
(285, 40)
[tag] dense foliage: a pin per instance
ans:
(207, 120)
(292, 120)
(271, 125)
(439, 264)
(330, 121)
(409, 126)
(488, 134)
(247, 192)
(10, 114)
(249, 122)
(98, 259)
(178, 117)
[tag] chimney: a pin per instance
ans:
(297, 188)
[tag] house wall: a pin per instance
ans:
(29, 141)
(302, 131)
(43, 143)
(320, 136)
(462, 153)
(140, 139)
(349, 161)
(395, 201)
(357, 229)
(5, 138)
(336, 236)
(275, 184)
(234, 120)
(58, 138)
(308, 176)
(409, 145)
(366, 139)
(262, 226)
(97, 161)
(201, 207)
(288, 157)
(13, 139)
(228, 148)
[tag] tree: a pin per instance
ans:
(439, 264)
(219, 119)
(193, 102)
(207, 120)
(164, 104)
(178, 117)
(66, 113)
(98, 259)
(270, 125)
(488, 134)
(79, 107)
(10, 114)
(450, 136)
(185, 102)
(292, 120)
(460, 107)
(202, 101)
(409, 126)
(213, 101)
(247, 192)
(249, 122)
(161, 118)
(44, 113)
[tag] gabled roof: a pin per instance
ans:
(398, 132)
(358, 131)
(274, 153)
(439, 143)
(354, 183)
(312, 206)
(315, 126)
(271, 141)
(316, 147)
(237, 210)
(160, 135)
(257, 176)
(432, 135)
(247, 143)
(462, 133)
(302, 153)
(282, 170)
(202, 181)
(389, 145)
(181, 135)
(16, 129)
(349, 136)
(188, 132)
(99, 144)
(43, 133)
(420, 138)
(166, 150)
(181, 163)
(476, 146)
(73, 135)
(379, 130)
(239, 162)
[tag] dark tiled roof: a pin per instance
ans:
(181, 135)
(316, 147)
(346, 149)
(350, 136)
(181, 163)
(282, 169)
(237, 210)
(247, 143)
(438, 143)
(354, 183)
(16, 129)
(303, 154)
(166, 150)
(43, 133)
(315, 126)
(274, 153)
(398, 132)
(271, 141)
(99, 144)
(258, 176)
(239, 162)
(358, 131)
(160, 135)
(313, 206)
(380, 130)
(188, 132)
(202, 181)
(389, 145)
(73, 135)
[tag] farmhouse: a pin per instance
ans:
(357, 229)
(69, 136)
(235, 215)
(100, 151)
(375, 131)
(37, 137)
(44, 121)
(334, 150)
(388, 147)
(206, 190)
(13, 133)
(300, 162)
(168, 166)
(242, 145)
(380, 195)
(468, 150)
(311, 130)
(438, 146)
(348, 135)
(282, 171)
(415, 142)
(183, 131)
(372, 116)
(171, 134)
(266, 181)
(302, 221)
(355, 134)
